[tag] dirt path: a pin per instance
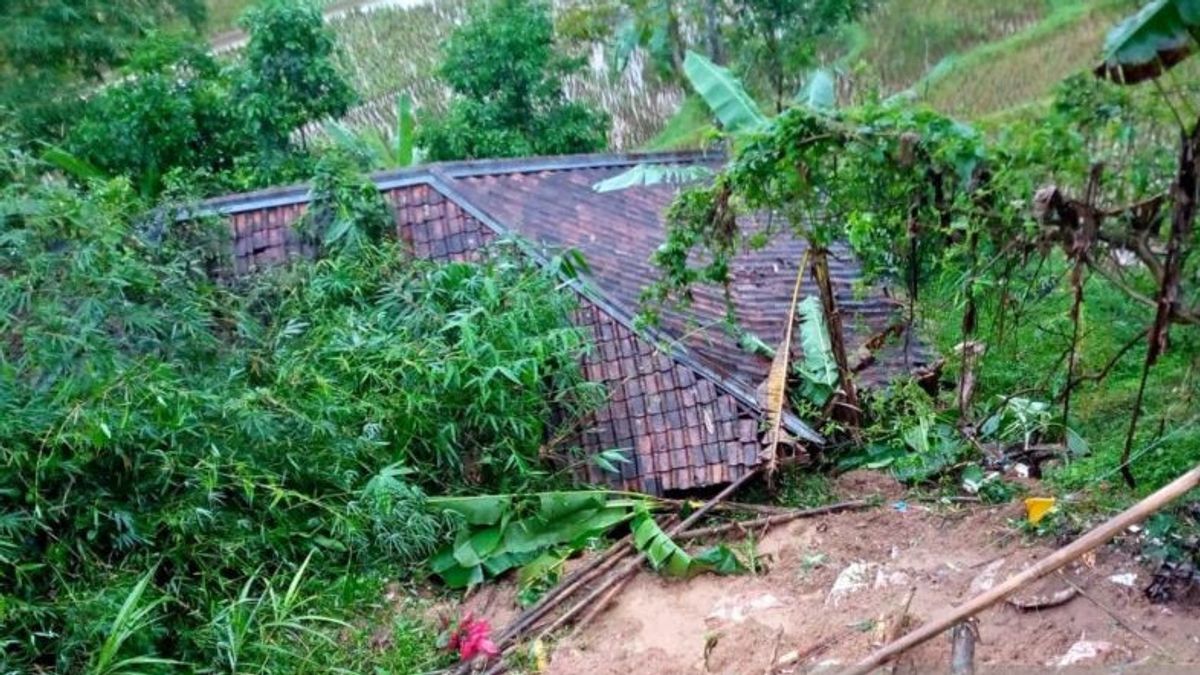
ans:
(829, 582)
(236, 39)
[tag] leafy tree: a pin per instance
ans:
(291, 77)
(509, 99)
(173, 111)
(224, 126)
(774, 42)
(50, 48)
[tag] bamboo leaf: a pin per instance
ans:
(724, 94)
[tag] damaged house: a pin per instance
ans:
(683, 398)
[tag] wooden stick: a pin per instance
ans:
(598, 599)
(1099, 535)
(569, 585)
(773, 520)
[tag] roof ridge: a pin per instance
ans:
(386, 180)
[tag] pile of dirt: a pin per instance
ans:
(830, 582)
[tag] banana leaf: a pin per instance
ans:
(1157, 37)
(724, 94)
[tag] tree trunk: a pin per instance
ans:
(712, 30)
(847, 410)
(1183, 216)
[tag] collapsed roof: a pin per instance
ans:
(682, 397)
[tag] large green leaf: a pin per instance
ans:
(405, 131)
(653, 174)
(819, 368)
(663, 553)
(724, 94)
(1157, 37)
(819, 91)
(478, 510)
(556, 505)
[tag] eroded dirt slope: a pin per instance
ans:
(831, 581)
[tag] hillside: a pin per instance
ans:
(969, 58)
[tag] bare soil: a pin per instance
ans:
(831, 583)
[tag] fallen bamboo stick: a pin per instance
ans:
(509, 637)
(598, 599)
(1093, 539)
(773, 520)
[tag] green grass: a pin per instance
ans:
(1026, 358)
(906, 38)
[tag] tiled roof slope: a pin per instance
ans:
(684, 409)
(619, 231)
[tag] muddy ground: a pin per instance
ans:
(830, 584)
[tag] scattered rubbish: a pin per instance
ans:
(901, 506)
(1083, 650)
(788, 659)
(736, 610)
(1036, 508)
(850, 580)
(1022, 470)
(884, 578)
(1127, 579)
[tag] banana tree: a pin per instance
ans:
(397, 152)
(740, 119)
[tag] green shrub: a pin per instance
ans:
(220, 435)
(507, 77)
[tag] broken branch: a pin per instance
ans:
(771, 521)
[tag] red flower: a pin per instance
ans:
(472, 637)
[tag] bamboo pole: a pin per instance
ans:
(1093, 539)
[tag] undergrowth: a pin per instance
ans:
(219, 475)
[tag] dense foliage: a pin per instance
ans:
(215, 436)
(50, 49)
(506, 74)
(178, 114)
(290, 78)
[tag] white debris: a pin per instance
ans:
(737, 609)
(850, 580)
(1128, 579)
(884, 578)
(1083, 650)
(986, 578)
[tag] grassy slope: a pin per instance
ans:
(970, 58)
(1022, 68)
